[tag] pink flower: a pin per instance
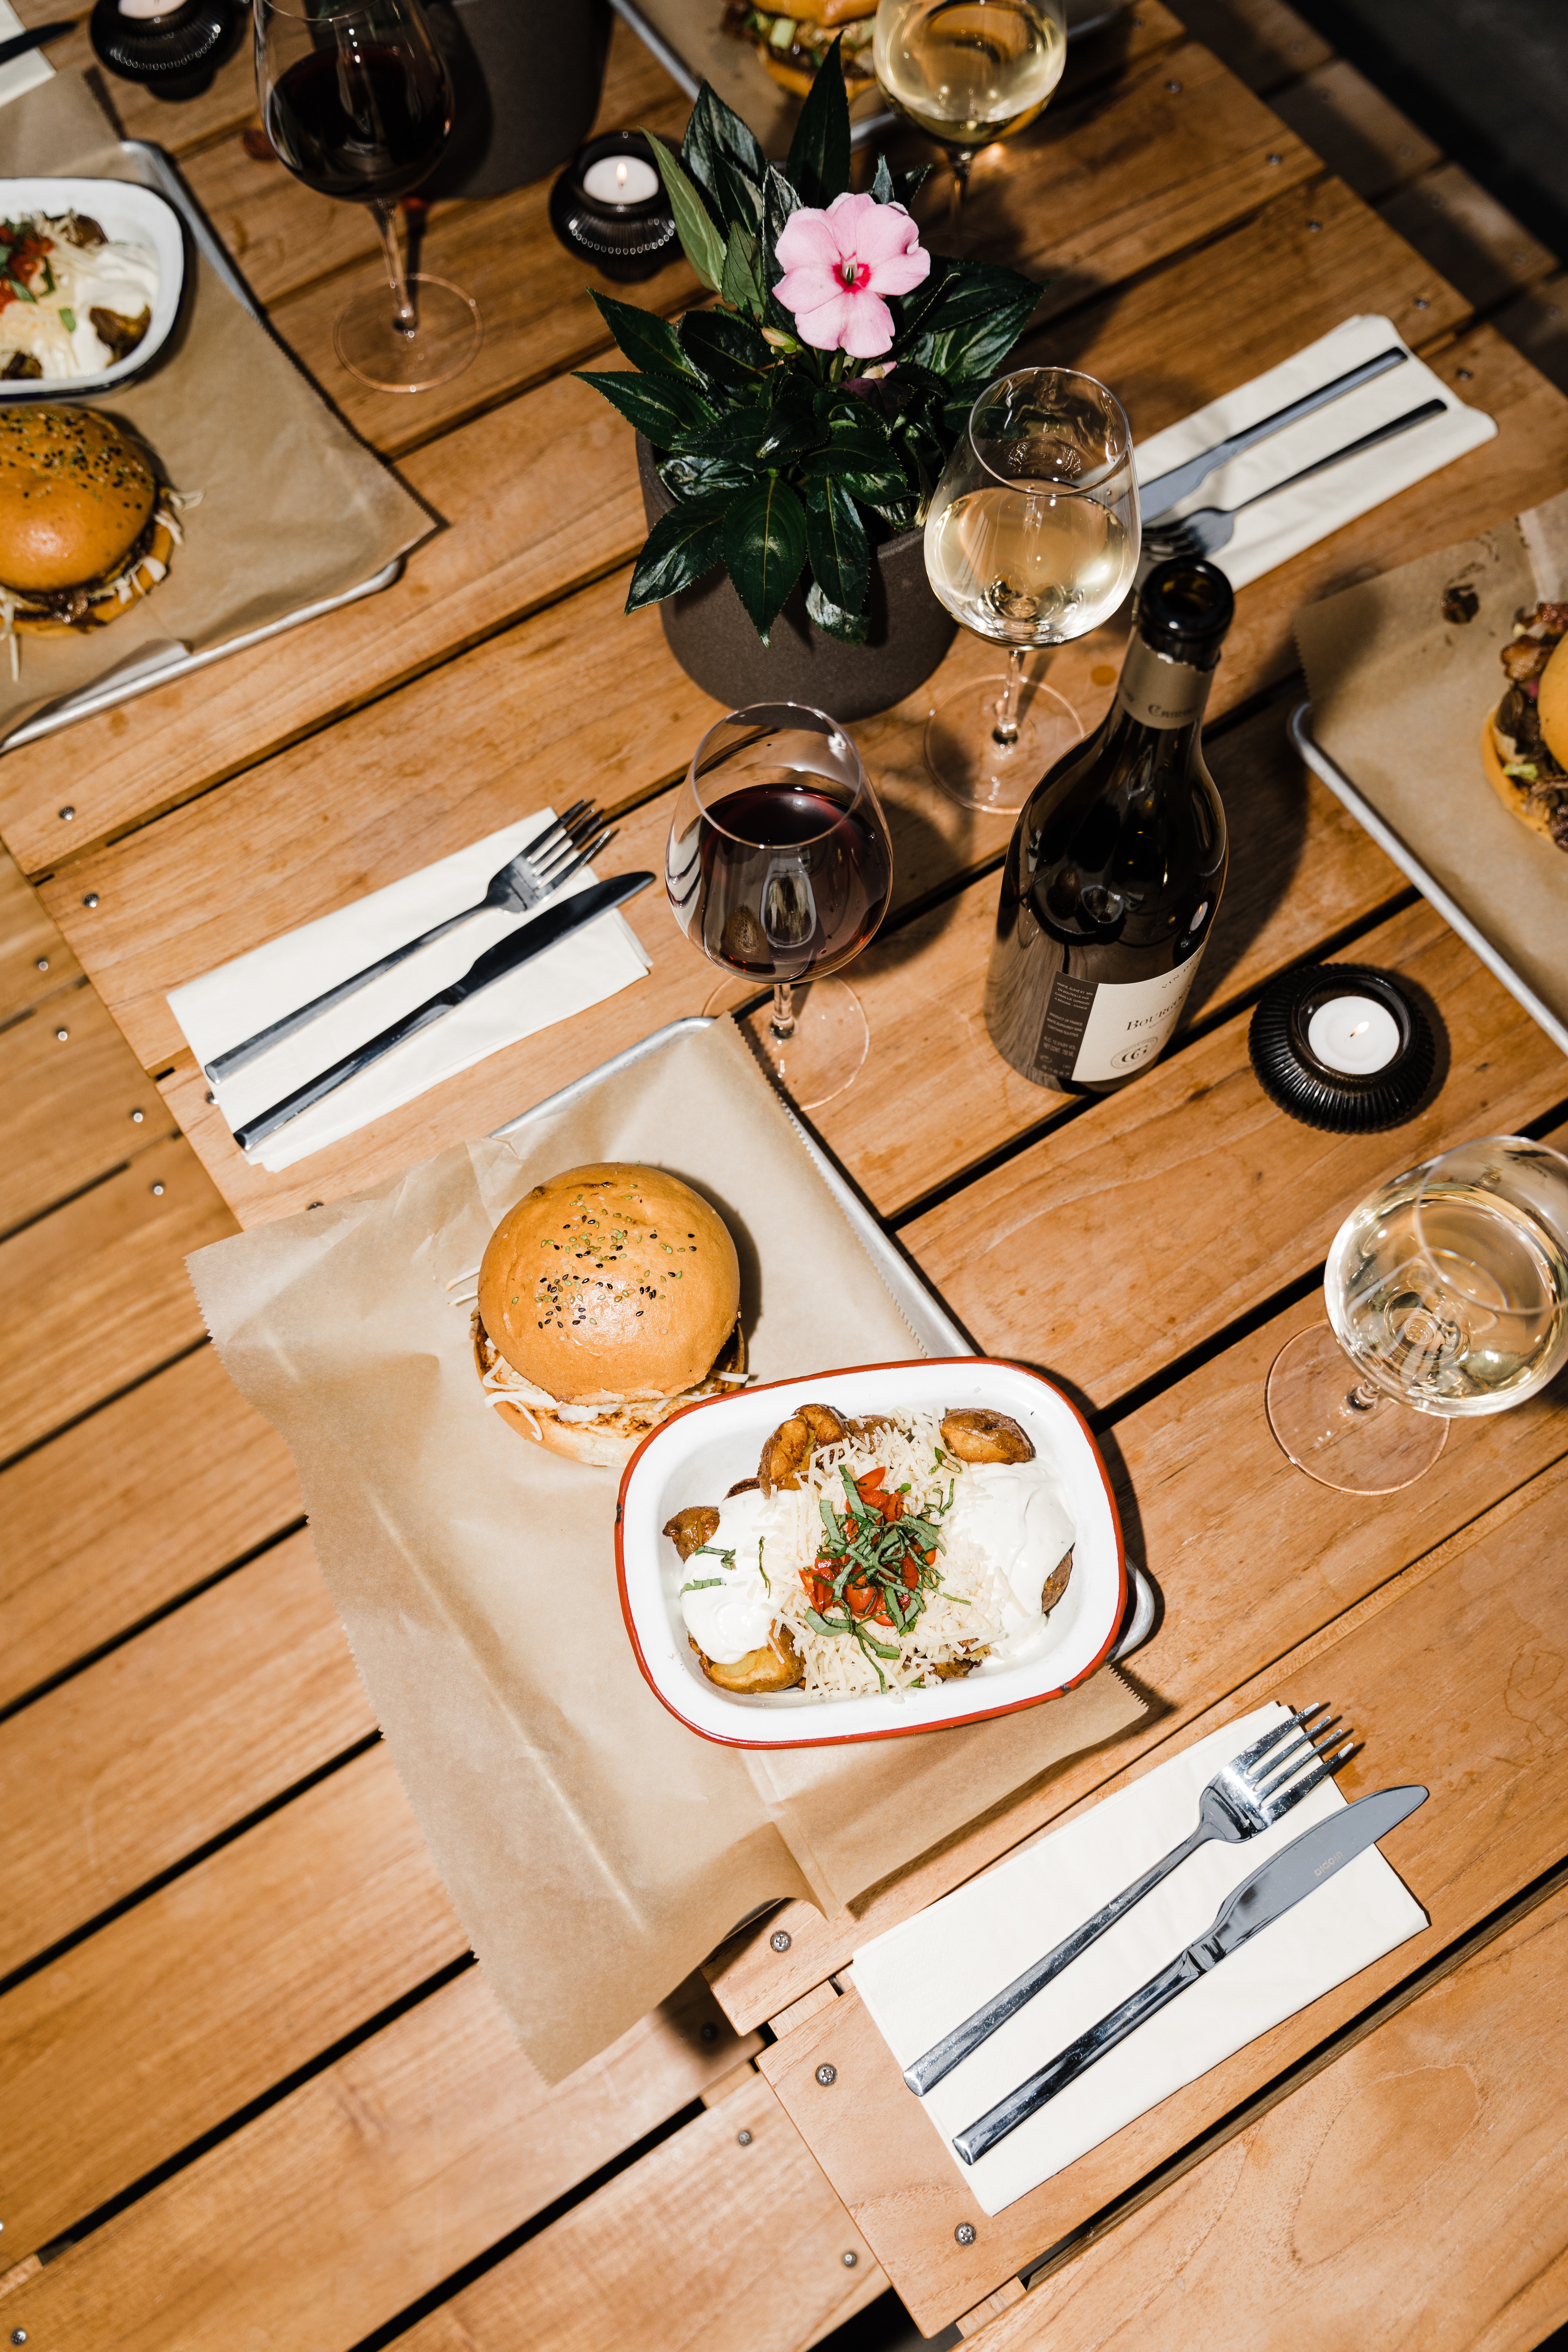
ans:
(839, 263)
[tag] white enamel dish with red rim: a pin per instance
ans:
(699, 1454)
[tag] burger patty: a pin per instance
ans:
(1531, 764)
(72, 605)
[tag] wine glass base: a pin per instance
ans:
(828, 1050)
(369, 343)
(974, 768)
(1360, 1449)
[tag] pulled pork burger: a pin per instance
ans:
(1524, 744)
(82, 532)
(791, 47)
(608, 1297)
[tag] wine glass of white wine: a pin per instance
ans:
(1448, 1292)
(969, 72)
(1031, 539)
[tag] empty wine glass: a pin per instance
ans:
(357, 102)
(779, 868)
(1447, 1293)
(1031, 540)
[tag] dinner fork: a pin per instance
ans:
(1247, 1795)
(537, 870)
(1210, 528)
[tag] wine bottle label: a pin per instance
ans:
(1161, 692)
(1098, 1030)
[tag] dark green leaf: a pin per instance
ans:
(701, 241)
(682, 545)
(836, 544)
(818, 165)
(882, 183)
(765, 549)
(651, 343)
(719, 152)
(657, 405)
(733, 436)
(726, 349)
(855, 445)
(742, 283)
(907, 185)
(699, 477)
(779, 200)
(978, 318)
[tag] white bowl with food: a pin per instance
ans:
(858, 1555)
(91, 273)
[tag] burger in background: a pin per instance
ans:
(84, 530)
(1525, 742)
(608, 1298)
(793, 47)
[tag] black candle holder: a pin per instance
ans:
(173, 55)
(624, 242)
(1311, 1089)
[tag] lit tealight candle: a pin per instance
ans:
(620, 180)
(1354, 1035)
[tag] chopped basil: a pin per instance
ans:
(701, 1584)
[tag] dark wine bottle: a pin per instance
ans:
(1118, 860)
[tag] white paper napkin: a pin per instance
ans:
(26, 72)
(240, 998)
(1270, 533)
(921, 1979)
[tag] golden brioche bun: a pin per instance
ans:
(610, 1281)
(608, 1443)
(1551, 704)
(76, 495)
(1513, 796)
(99, 613)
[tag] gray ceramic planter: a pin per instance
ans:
(716, 645)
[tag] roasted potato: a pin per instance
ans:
(691, 1529)
(1056, 1584)
(979, 1435)
(794, 1441)
(773, 1667)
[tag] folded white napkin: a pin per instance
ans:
(240, 998)
(921, 1979)
(1270, 533)
(26, 72)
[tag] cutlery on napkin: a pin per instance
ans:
(229, 1002)
(926, 1975)
(1281, 525)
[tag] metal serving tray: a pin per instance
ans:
(156, 665)
(934, 1327)
(1404, 857)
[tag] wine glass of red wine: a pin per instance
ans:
(357, 102)
(779, 868)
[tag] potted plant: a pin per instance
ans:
(792, 433)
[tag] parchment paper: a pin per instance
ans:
(595, 1847)
(294, 508)
(1399, 696)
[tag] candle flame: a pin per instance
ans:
(620, 175)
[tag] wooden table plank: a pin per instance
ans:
(129, 1767)
(373, 2182)
(705, 2247)
(131, 1508)
(35, 961)
(96, 1296)
(1361, 135)
(1193, 1197)
(1251, 1559)
(72, 1087)
(1267, 42)
(1464, 232)
(1441, 2130)
(1475, 1632)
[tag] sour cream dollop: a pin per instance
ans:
(735, 1615)
(1016, 1516)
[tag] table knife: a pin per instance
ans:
(1274, 1888)
(1156, 498)
(546, 930)
(35, 38)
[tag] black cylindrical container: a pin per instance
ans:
(1118, 860)
(173, 55)
(525, 77)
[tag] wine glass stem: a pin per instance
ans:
(1363, 1398)
(783, 1019)
(960, 158)
(405, 321)
(1005, 730)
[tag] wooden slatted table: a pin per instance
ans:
(253, 2083)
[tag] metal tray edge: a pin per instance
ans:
(1404, 857)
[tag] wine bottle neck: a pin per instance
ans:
(1155, 691)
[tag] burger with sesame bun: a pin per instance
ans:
(1524, 742)
(83, 531)
(609, 1297)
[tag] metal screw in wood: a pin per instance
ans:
(137, 1117)
(964, 2234)
(91, 900)
(709, 2033)
(826, 2075)
(157, 1192)
(850, 2260)
(62, 1034)
(742, 2139)
(780, 1939)
(67, 814)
